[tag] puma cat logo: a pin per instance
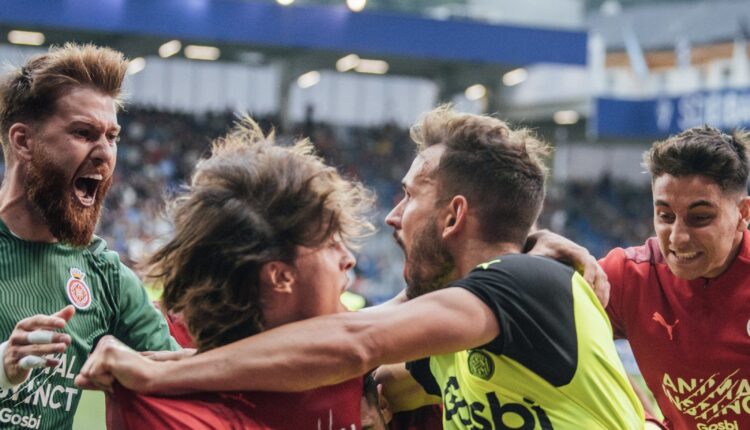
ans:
(660, 319)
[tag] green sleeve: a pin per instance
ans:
(139, 324)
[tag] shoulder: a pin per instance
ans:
(647, 253)
(107, 259)
(632, 261)
(99, 250)
(519, 270)
(522, 263)
(127, 409)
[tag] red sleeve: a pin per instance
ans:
(614, 265)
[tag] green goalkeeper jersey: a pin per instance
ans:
(42, 278)
(552, 367)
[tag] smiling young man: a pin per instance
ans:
(683, 298)
(507, 340)
(58, 119)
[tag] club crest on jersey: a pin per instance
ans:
(79, 293)
(480, 364)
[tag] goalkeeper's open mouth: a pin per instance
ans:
(85, 188)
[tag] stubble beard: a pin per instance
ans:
(430, 265)
(48, 189)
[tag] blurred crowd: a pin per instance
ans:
(599, 215)
(158, 151)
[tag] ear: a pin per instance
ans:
(278, 277)
(19, 137)
(385, 407)
(744, 207)
(455, 217)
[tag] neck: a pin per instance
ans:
(474, 252)
(18, 213)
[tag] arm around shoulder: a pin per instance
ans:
(331, 349)
(551, 245)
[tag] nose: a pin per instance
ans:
(679, 234)
(393, 218)
(349, 260)
(104, 152)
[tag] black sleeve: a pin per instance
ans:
(532, 299)
(420, 371)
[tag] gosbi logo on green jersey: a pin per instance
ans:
(78, 292)
(481, 364)
(490, 412)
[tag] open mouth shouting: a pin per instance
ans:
(86, 187)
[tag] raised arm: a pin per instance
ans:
(311, 353)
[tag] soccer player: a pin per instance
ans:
(683, 298)
(260, 241)
(59, 138)
(507, 340)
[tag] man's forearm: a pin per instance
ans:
(327, 351)
(331, 349)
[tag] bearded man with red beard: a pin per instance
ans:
(58, 118)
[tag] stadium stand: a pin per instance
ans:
(639, 81)
(160, 148)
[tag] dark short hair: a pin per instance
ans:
(705, 151)
(499, 170)
(29, 94)
(251, 202)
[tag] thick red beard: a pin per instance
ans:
(48, 188)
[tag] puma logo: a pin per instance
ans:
(660, 319)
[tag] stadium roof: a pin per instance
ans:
(329, 28)
(661, 25)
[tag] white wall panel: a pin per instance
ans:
(339, 98)
(589, 162)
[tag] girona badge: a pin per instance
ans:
(78, 292)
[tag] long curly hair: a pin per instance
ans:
(250, 202)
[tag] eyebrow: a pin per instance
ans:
(697, 203)
(92, 123)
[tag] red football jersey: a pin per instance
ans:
(691, 339)
(335, 407)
